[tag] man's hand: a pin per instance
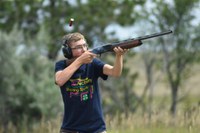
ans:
(119, 51)
(86, 57)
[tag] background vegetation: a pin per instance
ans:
(158, 90)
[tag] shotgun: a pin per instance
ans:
(125, 44)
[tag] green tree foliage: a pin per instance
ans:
(91, 17)
(27, 84)
(183, 49)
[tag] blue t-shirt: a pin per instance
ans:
(81, 97)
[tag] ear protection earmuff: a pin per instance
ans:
(67, 51)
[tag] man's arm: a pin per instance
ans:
(61, 77)
(115, 70)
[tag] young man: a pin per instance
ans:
(78, 82)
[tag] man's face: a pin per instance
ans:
(78, 48)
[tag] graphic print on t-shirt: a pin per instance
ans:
(80, 88)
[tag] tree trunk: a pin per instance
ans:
(126, 100)
(174, 92)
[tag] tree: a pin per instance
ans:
(91, 18)
(26, 80)
(15, 97)
(119, 95)
(183, 50)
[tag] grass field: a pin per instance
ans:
(159, 123)
(185, 122)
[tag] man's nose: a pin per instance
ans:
(83, 49)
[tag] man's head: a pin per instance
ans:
(74, 44)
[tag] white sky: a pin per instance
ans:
(136, 30)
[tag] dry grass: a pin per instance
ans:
(160, 122)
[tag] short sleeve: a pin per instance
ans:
(98, 66)
(60, 65)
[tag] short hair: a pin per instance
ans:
(73, 37)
